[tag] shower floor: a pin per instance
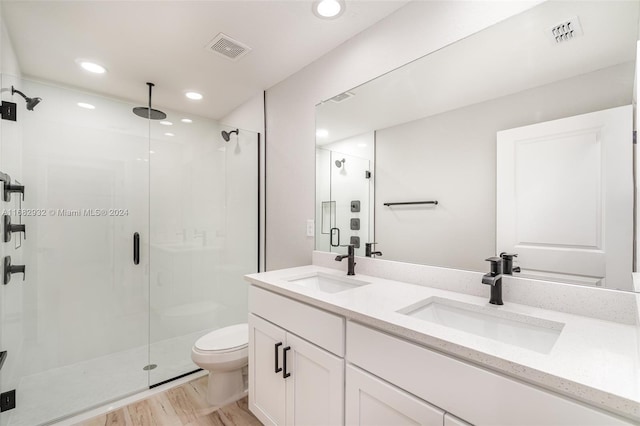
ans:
(60, 392)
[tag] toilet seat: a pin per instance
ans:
(227, 339)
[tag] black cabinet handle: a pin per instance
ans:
(285, 374)
(277, 367)
(136, 248)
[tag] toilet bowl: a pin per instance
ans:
(224, 353)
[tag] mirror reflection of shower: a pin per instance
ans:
(227, 135)
(31, 102)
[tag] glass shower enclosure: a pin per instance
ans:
(90, 323)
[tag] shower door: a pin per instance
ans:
(76, 329)
(204, 236)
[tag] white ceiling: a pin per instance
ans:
(512, 56)
(164, 42)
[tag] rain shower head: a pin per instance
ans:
(31, 102)
(148, 112)
(339, 163)
(227, 135)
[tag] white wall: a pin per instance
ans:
(437, 158)
(12, 305)
(417, 29)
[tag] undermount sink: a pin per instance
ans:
(326, 283)
(486, 321)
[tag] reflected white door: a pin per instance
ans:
(564, 198)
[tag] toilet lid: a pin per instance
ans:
(225, 338)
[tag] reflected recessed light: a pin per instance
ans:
(362, 145)
(166, 123)
(187, 120)
(169, 134)
(91, 66)
(85, 105)
(193, 95)
(322, 133)
(152, 152)
(328, 9)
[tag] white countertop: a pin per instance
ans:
(593, 360)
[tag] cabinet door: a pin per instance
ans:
(371, 401)
(315, 389)
(450, 420)
(266, 387)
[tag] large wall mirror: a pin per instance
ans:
(516, 139)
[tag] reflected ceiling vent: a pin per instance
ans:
(224, 45)
(566, 31)
(342, 97)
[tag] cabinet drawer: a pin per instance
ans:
(472, 393)
(315, 325)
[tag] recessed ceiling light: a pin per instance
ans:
(322, 133)
(362, 145)
(91, 66)
(169, 134)
(187, 120)
(85, 105)
(328, 9)
(166, 123)
(193, 95)
(152, 152)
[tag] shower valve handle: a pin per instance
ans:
(9, 188)
(10, 269)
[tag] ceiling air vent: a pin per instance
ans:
(566, 31)
(342, 97)
(224, 45)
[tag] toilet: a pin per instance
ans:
(224, 353)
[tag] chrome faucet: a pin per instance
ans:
(351, 250)
(494, 279)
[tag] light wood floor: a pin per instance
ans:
(184, 405)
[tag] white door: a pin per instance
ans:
(564, 197)
(372, 401)
(315, 389)
(267, 387)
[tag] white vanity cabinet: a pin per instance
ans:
(293, 381)
(371, 401)
(474, 394)
(342, 372)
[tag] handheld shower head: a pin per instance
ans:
(31, 102)
(227, 135)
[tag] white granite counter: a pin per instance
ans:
(593, 360)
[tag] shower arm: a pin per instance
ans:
(14, 90)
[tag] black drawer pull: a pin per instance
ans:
(136, 248)
(284, 362)
(277, 368)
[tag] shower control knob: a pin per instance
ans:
(10, 269)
